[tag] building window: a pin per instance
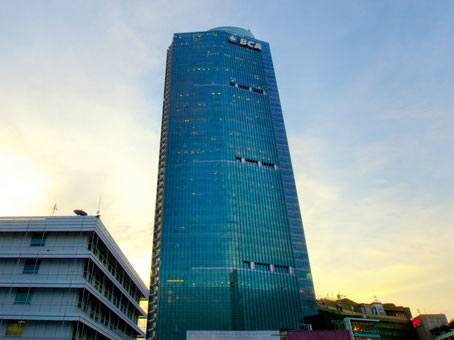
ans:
(15, 328)
(38, 240)
(31, 266)
(262, 266)
(23, 296)
(281, 269)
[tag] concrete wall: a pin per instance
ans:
(61, 239)
(44, 301)
(41, 330)
(232, 335)
(50, 270)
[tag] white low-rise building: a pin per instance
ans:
(66, 278)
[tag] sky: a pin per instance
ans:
(367, 93)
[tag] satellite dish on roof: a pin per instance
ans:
(80, 212)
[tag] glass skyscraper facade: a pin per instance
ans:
(229, 250)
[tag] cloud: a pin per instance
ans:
(78, 124)
(376, 240)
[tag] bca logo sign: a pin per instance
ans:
(243, 42)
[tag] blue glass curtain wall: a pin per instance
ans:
(232, 254)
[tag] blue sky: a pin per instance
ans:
(367, 94)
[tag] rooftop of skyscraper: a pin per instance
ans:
(234, 30)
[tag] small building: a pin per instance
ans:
(393, 322)
(424, 323)
(66, 278)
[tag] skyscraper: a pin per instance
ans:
(229, 250)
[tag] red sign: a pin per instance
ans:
(416, 322)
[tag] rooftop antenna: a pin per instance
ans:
(99, 207)
(376, 300)
(54, 209)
